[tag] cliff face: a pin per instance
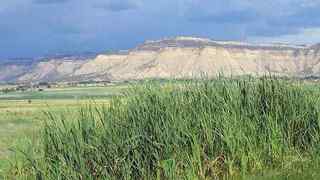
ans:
(9, 72)
(181, 58)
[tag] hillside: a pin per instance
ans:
(179, 57)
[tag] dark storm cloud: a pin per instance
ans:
(266, 18)
(36, 27)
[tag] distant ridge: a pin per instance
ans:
(179, 57)
(202, 42)
(78, 56)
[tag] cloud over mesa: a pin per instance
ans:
(36, 27)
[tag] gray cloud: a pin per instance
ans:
(239, 16)
(305, 17)
(266, 18)
(30, 29)
(49, 1)
(116, 5)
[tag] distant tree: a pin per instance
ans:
(7, 90)
(43, 84)
(22, 88)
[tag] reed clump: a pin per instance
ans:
(205, 129)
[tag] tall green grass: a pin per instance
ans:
(208, 129)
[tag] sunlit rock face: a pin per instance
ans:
(181, 57)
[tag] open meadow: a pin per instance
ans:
(21, 113)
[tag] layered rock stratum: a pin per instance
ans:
(181, 57)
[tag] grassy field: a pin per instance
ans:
(70, 93)
(20, 119)
(220, 129)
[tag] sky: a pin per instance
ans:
(32, 28)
